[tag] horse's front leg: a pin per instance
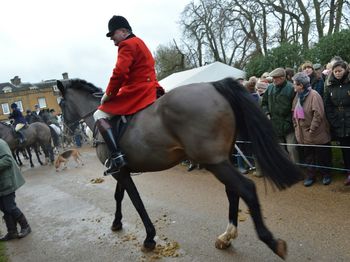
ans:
(224, 240)
(17, 158)
(118, 196)
(128, 184)
(30, 156)
(36, 150)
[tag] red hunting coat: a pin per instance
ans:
(133, 84)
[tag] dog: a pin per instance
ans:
(64, 158)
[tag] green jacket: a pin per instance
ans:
(277, 102)
(10, 175)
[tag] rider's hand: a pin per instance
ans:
(104, 98)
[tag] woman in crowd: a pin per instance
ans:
(337, 106)
(316, 82)
(311, 128)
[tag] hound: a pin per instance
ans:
(64, 158)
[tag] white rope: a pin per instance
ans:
(299, 164)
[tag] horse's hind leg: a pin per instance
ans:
(224, 240)
(118, 196)
(245, 188)
(128, 184)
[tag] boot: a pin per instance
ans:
(21, 137)
(191, 167)
(12, 232)
(117, 159)
(25, 228)
(347, 180)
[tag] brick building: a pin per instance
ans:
(27, 95)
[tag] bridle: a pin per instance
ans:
(74, 123)
(69, 126)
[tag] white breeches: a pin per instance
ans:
(19, 126)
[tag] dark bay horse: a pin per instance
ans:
(36, 134)
(199, 122)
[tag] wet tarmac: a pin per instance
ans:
(71, 212)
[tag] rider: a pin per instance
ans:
(132, 86)
(19, 122)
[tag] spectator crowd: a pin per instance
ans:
(308, 109)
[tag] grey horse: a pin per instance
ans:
(199, 122)
(37, 134)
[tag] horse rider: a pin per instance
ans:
(36, 114)
(29, 116)
(132, 86)
(19, 122)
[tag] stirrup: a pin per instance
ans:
(114, 164)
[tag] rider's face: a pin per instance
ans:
(119, 35)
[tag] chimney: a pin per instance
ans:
(65, 75)
(16, 81)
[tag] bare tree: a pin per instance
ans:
(233, 31)
(169, 59)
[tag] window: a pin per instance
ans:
(19, 104)
(5, 109)
(58, 99)
(42, 102)
(54, 87)
(7, 89)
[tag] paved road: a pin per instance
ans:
(70, 217)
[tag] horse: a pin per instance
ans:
(36, 134)
(199, 122)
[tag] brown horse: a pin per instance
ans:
(197, 122)
(36, 134)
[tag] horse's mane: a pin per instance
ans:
(6, 124)
(83, 85)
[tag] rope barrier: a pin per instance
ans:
(301, 164)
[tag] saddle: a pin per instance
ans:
(119, 125)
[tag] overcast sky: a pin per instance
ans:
(41, 39)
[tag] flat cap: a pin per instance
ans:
(317, 66)
(278, 72)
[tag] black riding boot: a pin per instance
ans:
(21, 137)
(12, 232)
(25, 228)
(117, 159)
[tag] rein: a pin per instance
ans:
(72, 124)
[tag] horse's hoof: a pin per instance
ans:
(281, 248)
(117, 226)
(148, 246)
(219, 244)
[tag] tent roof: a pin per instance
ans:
(208, 73)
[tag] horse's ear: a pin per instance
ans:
(60, 86)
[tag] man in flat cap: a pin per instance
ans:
(277, 105)
(132, 86)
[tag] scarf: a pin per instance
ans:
(298, 110)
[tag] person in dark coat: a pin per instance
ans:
(36, 114)
(337, 107)
(277, 105)
(10, 180)
(29, 116)
(19, 122)
(316, 81)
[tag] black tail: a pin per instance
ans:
(252, 122)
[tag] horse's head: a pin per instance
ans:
(78, 100)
